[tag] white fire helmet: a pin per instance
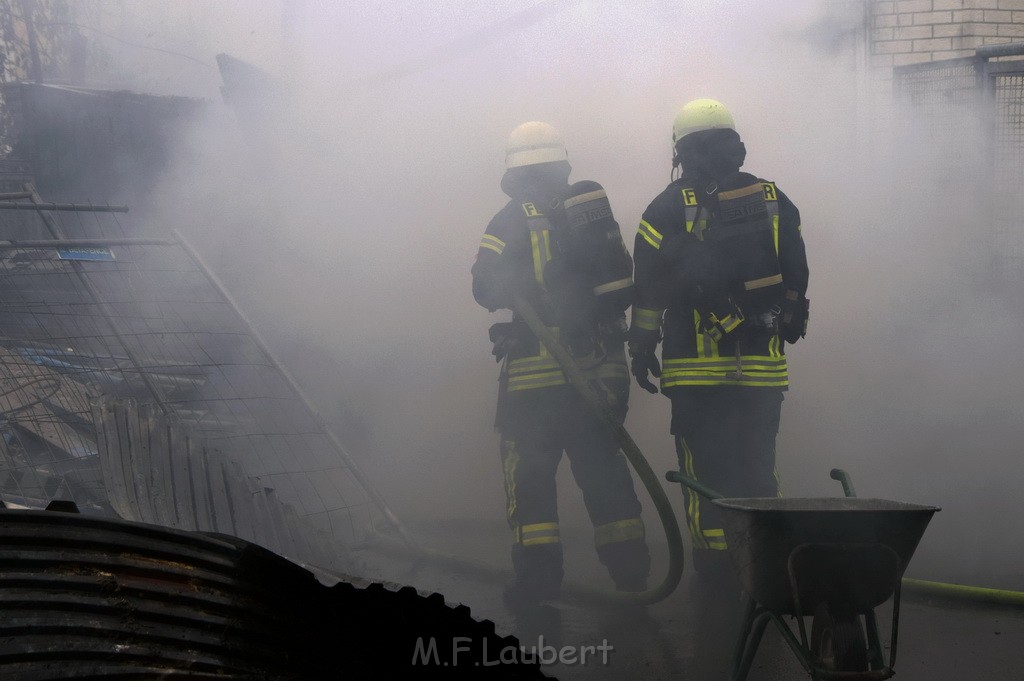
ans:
(701, 114)
(532, 143)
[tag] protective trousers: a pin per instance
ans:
(725, 439)
(541, 424)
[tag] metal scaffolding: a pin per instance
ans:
(100, 330)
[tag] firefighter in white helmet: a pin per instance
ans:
(559, 246)
(721, 276)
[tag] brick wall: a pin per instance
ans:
(913, 31)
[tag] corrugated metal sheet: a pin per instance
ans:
(88, 598)
(156, 471)
(82, 597)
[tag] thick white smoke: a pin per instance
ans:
(350, 231)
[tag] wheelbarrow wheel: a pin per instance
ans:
(838, 642)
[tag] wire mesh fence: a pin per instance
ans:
(953, 99)
(89, 314)
(1008, 151)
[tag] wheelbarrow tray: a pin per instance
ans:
(850, 549)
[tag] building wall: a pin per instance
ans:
(914, 31)
(50, 49)
(38, 41)
(980, 133)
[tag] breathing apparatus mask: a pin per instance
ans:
(710, 155)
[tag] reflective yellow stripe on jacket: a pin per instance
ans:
(647, 319)
(749, 370)
(540, 240)
(492, 243)
(529, 375)
(543, 371)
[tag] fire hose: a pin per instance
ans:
(585, 386)
(962, 592)
(955, 592)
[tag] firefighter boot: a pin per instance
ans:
(538, 575)
(628, 563)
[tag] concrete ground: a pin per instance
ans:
(681, 637)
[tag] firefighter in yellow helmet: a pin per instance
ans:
(721, 276)
(559, 246)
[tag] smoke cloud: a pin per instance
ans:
(349, 228)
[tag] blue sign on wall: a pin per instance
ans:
(93, 254)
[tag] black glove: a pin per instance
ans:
(507, 337)
(795, 312)
(613, 328)
(642, 362)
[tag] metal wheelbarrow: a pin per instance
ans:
(832, 559)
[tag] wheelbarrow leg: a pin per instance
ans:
(745, 626)
(750, 638)
(875, 659)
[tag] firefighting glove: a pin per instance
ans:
(795, 313)
(612, 327)
(506, 337)
(643, 362)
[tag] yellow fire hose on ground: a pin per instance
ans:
(595, 400)
(961, 592)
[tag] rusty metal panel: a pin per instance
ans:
(157, 467)
(223, 515)
(108, 438)
(174, 474)
(82, 597)
(181, 479)
(194, 456)
(239, 501)
(287, 546)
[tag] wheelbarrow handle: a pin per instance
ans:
(844, 478)
(676, 476)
